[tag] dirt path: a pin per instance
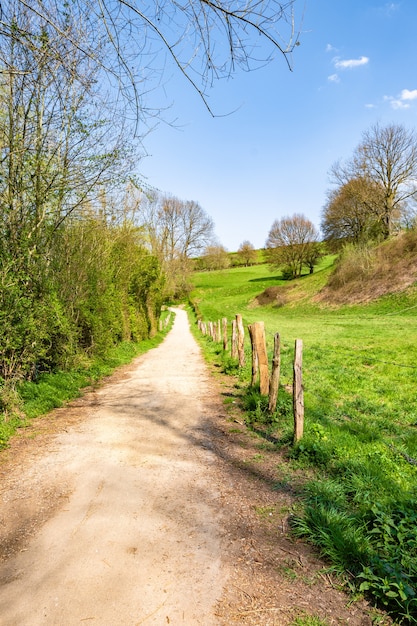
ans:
(139, 539)
(143, 504)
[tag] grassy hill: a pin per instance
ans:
(359, 331)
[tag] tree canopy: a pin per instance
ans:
(385, 162)
(293, 243)
(352, 212)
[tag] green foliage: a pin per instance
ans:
(391, 575)
(256, 408)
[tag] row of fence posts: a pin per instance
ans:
(268, 382)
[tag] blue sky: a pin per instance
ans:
(356, 66)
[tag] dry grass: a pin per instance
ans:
(366, 273)
(276, 295)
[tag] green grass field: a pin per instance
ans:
(360, 392)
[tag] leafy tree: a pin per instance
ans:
(351, 213)
(55, 147)
(387, 159)
(292, 243)
(247, 253)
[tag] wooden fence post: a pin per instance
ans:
(298, 394)
(233, 352)
(275, 374)
(219, 331)
(224, 321)
(259, 347)
(240, 340)
(254, 355)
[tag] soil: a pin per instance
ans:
(146, 502)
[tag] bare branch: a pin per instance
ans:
(205, 39)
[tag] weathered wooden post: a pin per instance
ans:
(240, 340)
(259, 346)
(275, 374)
(210, 329)
(233, 352)
(219, 331)
(254, 355)
(298, 394)
(224, 322)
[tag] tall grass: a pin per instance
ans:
(360, 374)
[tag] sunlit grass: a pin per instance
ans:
(360, 380)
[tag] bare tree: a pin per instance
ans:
(175, 231)
(247, 253)
(204, 40)
(176, 228)
(216, 257)
(56, 147)
(386, 157)
(292, 243)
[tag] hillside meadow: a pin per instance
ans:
(360, 439)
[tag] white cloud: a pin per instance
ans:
(399, 104)
(330, 48)
(334, 78)
(406, 94)
(403, 100)
(348, 64)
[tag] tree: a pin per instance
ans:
(174, 228)
(351, 213)
(175, 231)
(387, 158)
(55, 147)
(291, 243)
(216, 257)
(247, 253)
(204, 40)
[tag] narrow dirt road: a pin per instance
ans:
(138, 541)
(145, 502)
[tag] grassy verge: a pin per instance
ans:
(53, 389)
(360, 441)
